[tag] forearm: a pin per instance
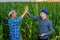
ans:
(34, 17)
(30, 15)
(51, 30)
(48, 33)
(24, 13)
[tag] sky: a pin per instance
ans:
(27, 0)
(16, 0)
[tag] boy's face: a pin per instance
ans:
(42, 15)
(14, 14)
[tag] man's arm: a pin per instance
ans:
(51, 30)
(34, 17)
(24, 13)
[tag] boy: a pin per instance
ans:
(13, 24)
(45, 26)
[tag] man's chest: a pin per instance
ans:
(43, 22)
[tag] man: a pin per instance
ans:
(45, 26)
(13, 24)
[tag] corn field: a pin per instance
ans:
(28, 26)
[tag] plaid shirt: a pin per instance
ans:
(14, 28)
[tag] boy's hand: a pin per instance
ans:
(26, 9)
(42, 34)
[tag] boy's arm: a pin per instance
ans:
(34, 17)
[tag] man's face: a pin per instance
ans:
(42, 15)
(14, 14)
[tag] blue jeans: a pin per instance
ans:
(42, 39)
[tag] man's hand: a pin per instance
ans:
(42, 35)
(25, 11)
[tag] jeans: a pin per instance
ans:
(42, 39)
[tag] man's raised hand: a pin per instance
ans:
(26, 9)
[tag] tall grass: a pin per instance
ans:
(28, 26)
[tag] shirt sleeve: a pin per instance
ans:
(34, 17)
(51, 30)
(19, 19)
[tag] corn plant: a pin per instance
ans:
(28, 26)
